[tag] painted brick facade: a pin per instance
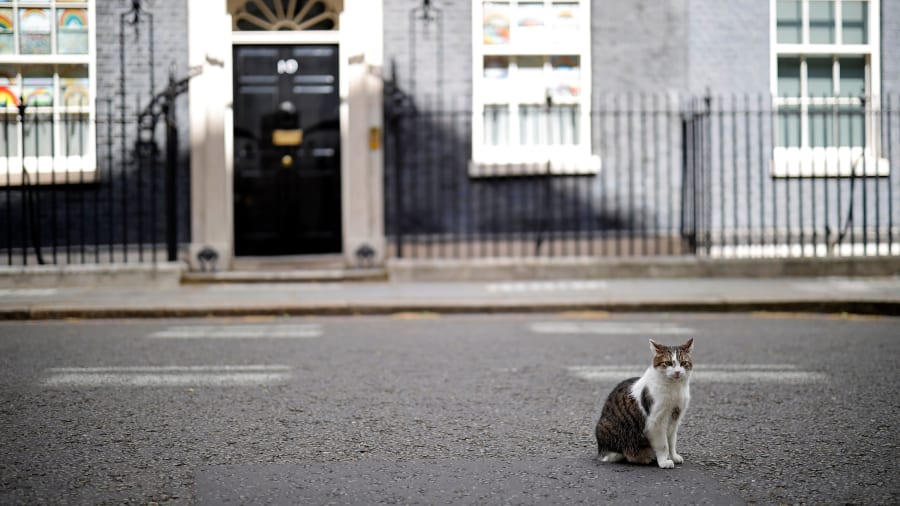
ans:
(642, 51)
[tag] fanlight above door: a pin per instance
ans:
(261, 15)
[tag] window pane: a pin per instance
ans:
(532, 125)
(788, 77)
(74, 86)
(851, 129)
(35, 26)
(9, 89)
(530, 85)
(530, 21)
(75, 134)
(564, 18)
(9, 99)
(9, 136)
(72, 35)
(37, 85)
(566, 76)
(821, 126)
(821, 22)
(496, 67)
(853, 77)
(7, 41)
(496, 23)
(558, 128)
(564, 125)
(789, 20)
(855, 22)
(820, 77)
(788, 127)
(496, 125)
(38, 130)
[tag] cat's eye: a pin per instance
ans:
(667, 363)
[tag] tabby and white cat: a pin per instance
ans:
(640, 419)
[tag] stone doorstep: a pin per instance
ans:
(287, 276)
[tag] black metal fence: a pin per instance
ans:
(723, 176)
(93, 190)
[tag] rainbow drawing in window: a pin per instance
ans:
(8, 99)
(566, 76)
(496, 24)
(531, 15)
(38, 97)
(7, 41)
(37, 86)
(35, 28)
(72, 35)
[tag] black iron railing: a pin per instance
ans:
(90, 205)
(723, 176)
(100, 184)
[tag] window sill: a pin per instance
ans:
(511, 165)
(827, 162)
(47, 171)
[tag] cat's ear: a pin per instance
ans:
(688, 346)
(656, 347)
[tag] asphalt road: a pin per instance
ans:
(438, 410)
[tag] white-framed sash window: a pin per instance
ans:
(531, 88)
(47, 60)
(826, 87)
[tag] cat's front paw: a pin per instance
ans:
(678, 459)
(666, 464)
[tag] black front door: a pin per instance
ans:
(287, 150)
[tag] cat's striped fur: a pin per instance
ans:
(640, 418)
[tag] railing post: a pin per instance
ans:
(395, 125)
(28, 196)
(171, 170)
(688, 184)
(706, 171)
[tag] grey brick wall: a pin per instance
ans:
(639, 45)
(890, 42)
(452, 57)
(643, 49)
(728, 46)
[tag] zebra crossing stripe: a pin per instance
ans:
(166, 376)
(301, 331)
(609, 328)
(545, 286)
(712, 373)
(28, 292)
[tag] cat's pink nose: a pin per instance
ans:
(677, 374)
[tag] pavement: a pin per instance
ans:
(860, 295)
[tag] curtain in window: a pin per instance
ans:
(556, 127)
(496, 125)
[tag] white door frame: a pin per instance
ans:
(359, 41)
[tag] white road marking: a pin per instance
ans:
(609, 328)
(273, 331)
(834, 286)
(168, 376)
(713, 373)
(275, 287)
(27, 292)
(545, 286)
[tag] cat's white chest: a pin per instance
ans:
(664, 396)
